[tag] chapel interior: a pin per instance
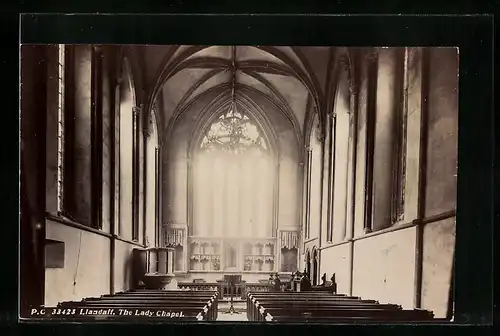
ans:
(238, 162)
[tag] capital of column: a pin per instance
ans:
(136, 110)
(320, 135)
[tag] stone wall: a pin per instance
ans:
(381, 265)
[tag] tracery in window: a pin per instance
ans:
(233, 132)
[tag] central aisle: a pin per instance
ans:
(235, 317)
(239, 306)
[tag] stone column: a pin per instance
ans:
(136, 172)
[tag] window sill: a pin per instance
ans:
(131, 242)
(310, 240)
(68, 222)
(330, 245)
(393, 228)
(406, 225)
(180, 273)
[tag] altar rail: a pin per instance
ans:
(240, 290)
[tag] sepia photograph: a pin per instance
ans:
(233, 183)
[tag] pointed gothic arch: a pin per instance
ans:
(218, 107)
(126, 78)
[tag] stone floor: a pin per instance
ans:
(241, 317)
(239, 306)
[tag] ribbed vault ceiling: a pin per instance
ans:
(290, 77)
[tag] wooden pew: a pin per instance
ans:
(307, 296)
(185, 295)
(162, 293)
(199, 306)
(340, 312)
(293, 296)
(346, 314)
(302, 301)
(305, 306)
(147, 294)
(253, 307)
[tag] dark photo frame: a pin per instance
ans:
(472, 284)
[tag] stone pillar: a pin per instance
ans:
(136, 113)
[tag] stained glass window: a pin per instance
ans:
(233, 132)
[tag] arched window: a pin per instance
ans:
(342, 140)
(233, 174)
(80, 141)
(125, 144)
(233, 133)
(386, 138)
(152, 181)
(56, 131)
